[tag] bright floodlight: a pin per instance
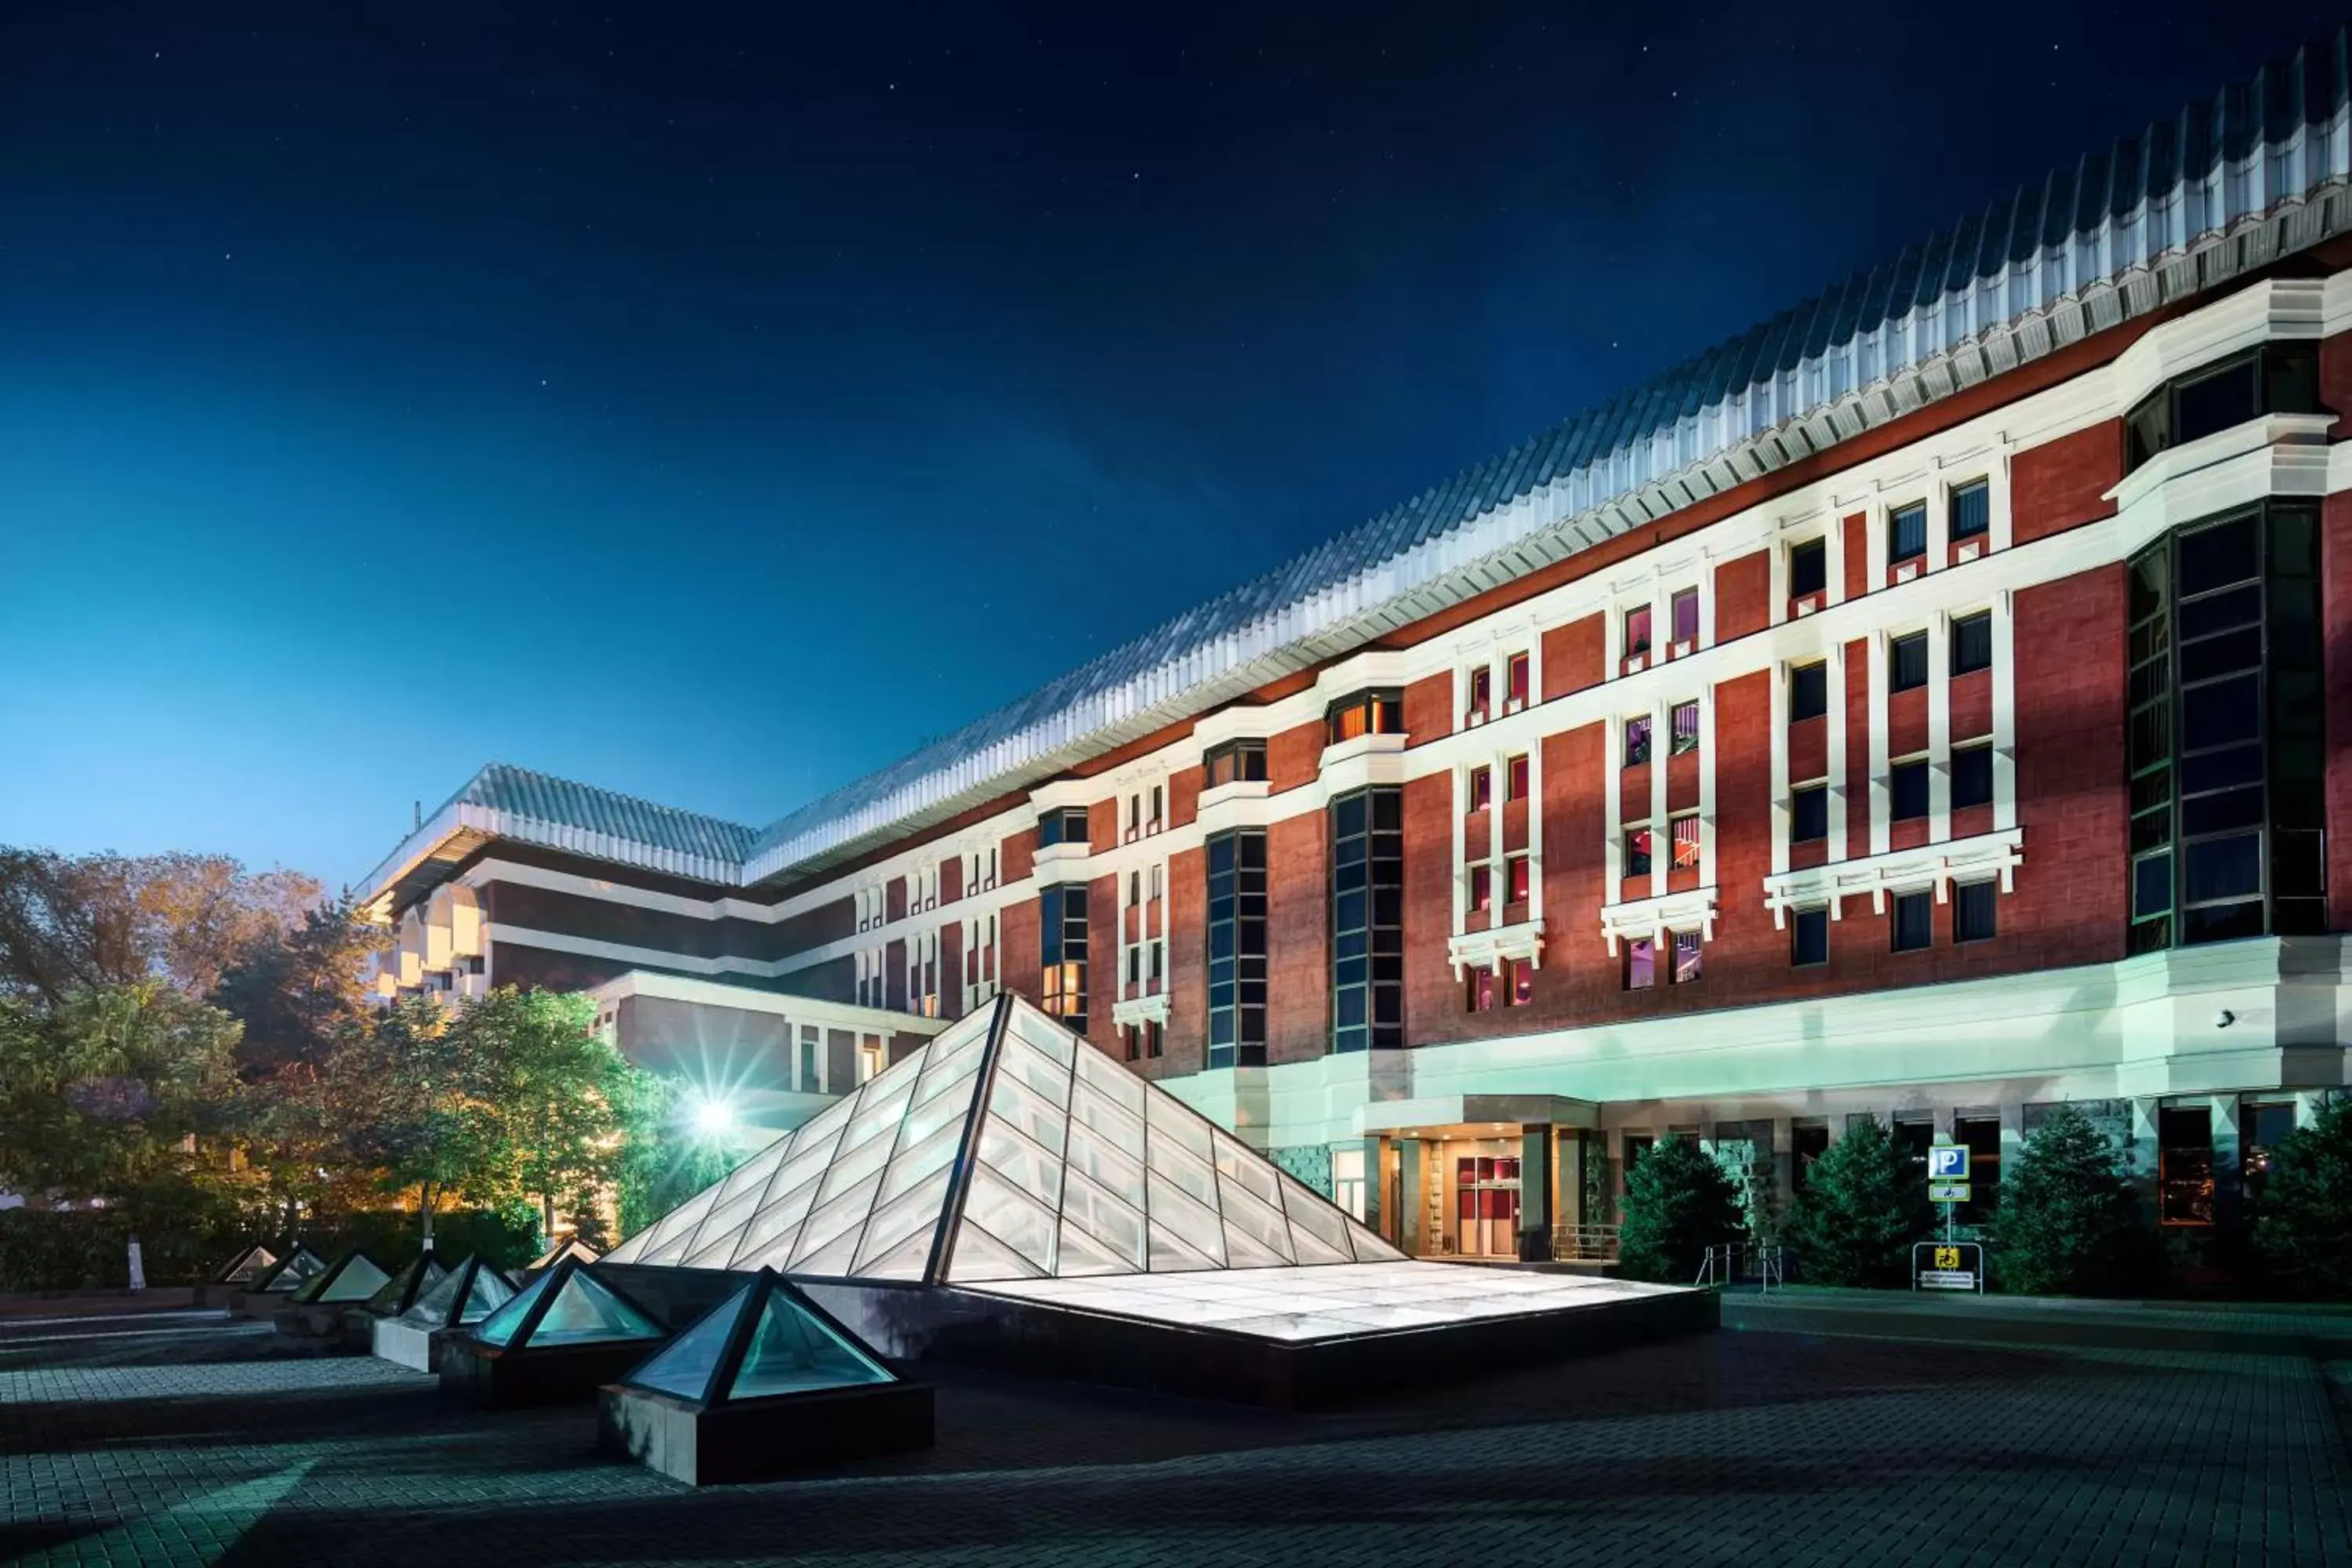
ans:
(713, 1117)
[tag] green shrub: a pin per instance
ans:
(1864, 1206)
(1678, 1203)
(2070, 1222)
(2302, 1218)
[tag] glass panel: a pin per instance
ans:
(1116, 1227)
(499, 1326)
(1083, 1253)
(2223, 869)
(1186, 1218)
(1054, 1043)
(1246, 1170)
(979, 1256)
(724, 1222)
(911, 1165)
(684, 1366)
(1011, 1216)
(1020, 1161)
(1109, 1123)
(1043, 1123)
(1171, 1253)
(1187, 1170)
(1109, 1166)
(878, 1114)
(1318, 1233)
(1123, 1090)
(1244, 1251)
(907, 1260)
(834, 1220)
(853, 1166)
(753, 1172)
(915, 1210)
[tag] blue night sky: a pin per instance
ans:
(712, 406)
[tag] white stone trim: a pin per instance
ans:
(1998, 853)
(1488, 949)
(1653, 917)
(1134, 1010)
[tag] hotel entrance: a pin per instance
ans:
(1485, 1199)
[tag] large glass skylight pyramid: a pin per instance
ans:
(1006, 1148)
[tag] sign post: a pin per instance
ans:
(1951, 1267)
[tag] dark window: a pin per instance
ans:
(2224, 737)
(1809, 570)
(1067, 825)
(1684, 608)
(1637, 852)
(1972, 911)
(1641, 963)
(2260, 1129)
(1636, 1145)
(1062, 951)
(1914, 922)
(1909, 781)
(1808, 1142)
(1972, 777)
(1907, 532)
(1380, 711)
(1515, 678)
(1684, 719)
(2280, 378)
(1809, 937)
(1981, 1135)
(1368, 919)
(2184, 1180)
(1482, 682)
(1971, 643)
(1808, 814)
(1515, 779)
(1809, 691)
(1236, 947)
(1906, 662)
(1637, 741)
(1235, 761)
(1971, 510)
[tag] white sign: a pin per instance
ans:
(1946, 1279)
(1948, 1163)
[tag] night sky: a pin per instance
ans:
(713, 407)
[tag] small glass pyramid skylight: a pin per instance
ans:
(569, 1247)
(565, 1306)
(352, 1277)
(400, 1292)
(289, 1275)
(469, 1292)
(255, 1260)
(1006, 1148)
(765, 1340)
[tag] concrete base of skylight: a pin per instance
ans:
(758, 1439)
(498, 1378)
(406, 1344)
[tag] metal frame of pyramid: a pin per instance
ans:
(1006, 1148)
(351, 1278)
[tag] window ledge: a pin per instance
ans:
(1362, 746)
(1056, 858)
(1489, 948)
(1141, 1010)
(1653, 918)
(1899, 871)
(1239, 789)
(2268, 430)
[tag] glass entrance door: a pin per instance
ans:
(1486, 1205)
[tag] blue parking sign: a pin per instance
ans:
(1948, 1163)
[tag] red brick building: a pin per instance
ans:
(1923, 707)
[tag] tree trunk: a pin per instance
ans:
(425, 1202)
(547, 1219)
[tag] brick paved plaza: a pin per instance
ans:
(187, 1439)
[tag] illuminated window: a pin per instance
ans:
(1683, 608)
(1482, 789)
(1518, 983)
(1515, 778)
(1687, 854)
(1641, 963)
(1685, 727)
(1637, 741)
(1480, 991)
(1482, 888)
(1519, 888)
(1637, 630)
(1379, 711)
(1515, 681)
(1637, 852)
(1235, 761)
(1482, 681)
(1688, 948)
(1062, 951)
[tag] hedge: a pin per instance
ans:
(86, 1250)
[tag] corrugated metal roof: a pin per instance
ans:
(2226, 186)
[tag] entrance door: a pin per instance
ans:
(1486, 1205)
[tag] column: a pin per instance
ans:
(2229, 1185)
(1535, 1194)
(1412, 1198)
(1376, 1181)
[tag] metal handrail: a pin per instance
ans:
(1584, 1243)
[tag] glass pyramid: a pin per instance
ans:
(255, 1260)
(567, 1248)
(400, 1292)
(289, 1275)
(565, 1306)
(469, 1292)
(354, 1276)
(1006, 1148)
(765, 1340)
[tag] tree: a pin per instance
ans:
(419, 1104)
(663, 1162)
(2302, 1218)
(298, 990)
(76, 921)
(2069, 1223)
(1678, 1203)
(559, 1090)
(112, 1092)
(1864, 1203)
